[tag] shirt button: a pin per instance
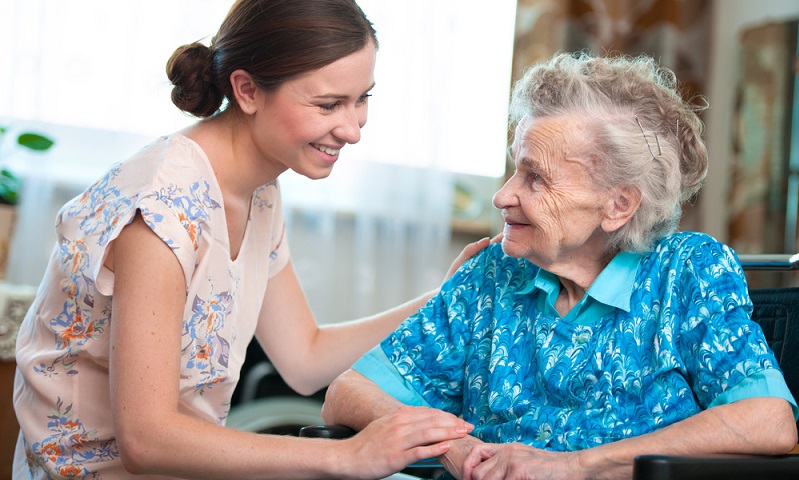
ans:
(583, 337)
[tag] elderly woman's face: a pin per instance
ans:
(552, 209)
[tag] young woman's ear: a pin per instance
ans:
(244, 90)
(620, 207)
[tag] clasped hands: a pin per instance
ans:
(469, 458)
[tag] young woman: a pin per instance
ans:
(169, 264)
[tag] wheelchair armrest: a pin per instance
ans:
(336, 432)
(721, 467)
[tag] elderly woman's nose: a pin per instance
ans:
(506, 196)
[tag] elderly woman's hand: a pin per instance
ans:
(455, 457)
(516, 461)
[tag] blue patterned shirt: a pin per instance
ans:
(656, 339)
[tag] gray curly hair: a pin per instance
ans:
(646, 136)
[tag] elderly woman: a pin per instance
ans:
(594, 333)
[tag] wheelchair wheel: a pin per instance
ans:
(275, 415)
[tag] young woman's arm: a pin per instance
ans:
(156, 437)
(308, 356)
(355, 401)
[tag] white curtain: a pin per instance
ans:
(369, 237)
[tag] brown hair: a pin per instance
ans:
(273, 40)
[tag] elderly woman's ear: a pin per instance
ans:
(620, 207)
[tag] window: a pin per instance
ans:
(443, 72)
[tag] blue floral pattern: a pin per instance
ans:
(483, 351)
(70, 448)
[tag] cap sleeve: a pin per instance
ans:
(178, 215)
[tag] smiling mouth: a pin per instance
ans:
(327, 150)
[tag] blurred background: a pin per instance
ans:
(399, 206)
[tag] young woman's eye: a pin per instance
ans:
(364, 98)
(329, 107)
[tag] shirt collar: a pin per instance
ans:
(613, 286)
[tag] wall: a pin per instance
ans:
(729, 19)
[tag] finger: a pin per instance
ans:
(477, 457)
(469, 465)
(430, 431)
(417, 428)
(425, 452)
(497, 238)
(471, 249)
(482, 243)
(401, 458)
(429, 436)
(468, 252)
(432, 418)
(487, 470)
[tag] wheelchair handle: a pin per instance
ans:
(770, 261)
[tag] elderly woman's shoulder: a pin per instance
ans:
(495, 253)
(688, 239)
(494, 257)
(689, 244)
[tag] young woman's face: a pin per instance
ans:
(305, 123)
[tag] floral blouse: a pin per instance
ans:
(492, 348)
(61, 393)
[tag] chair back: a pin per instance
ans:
(777, 312)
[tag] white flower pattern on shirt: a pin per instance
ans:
(484, 351)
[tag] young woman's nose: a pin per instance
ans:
(349, 125)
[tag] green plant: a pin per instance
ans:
(10, 183)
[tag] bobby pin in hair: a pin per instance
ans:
(647, 140)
